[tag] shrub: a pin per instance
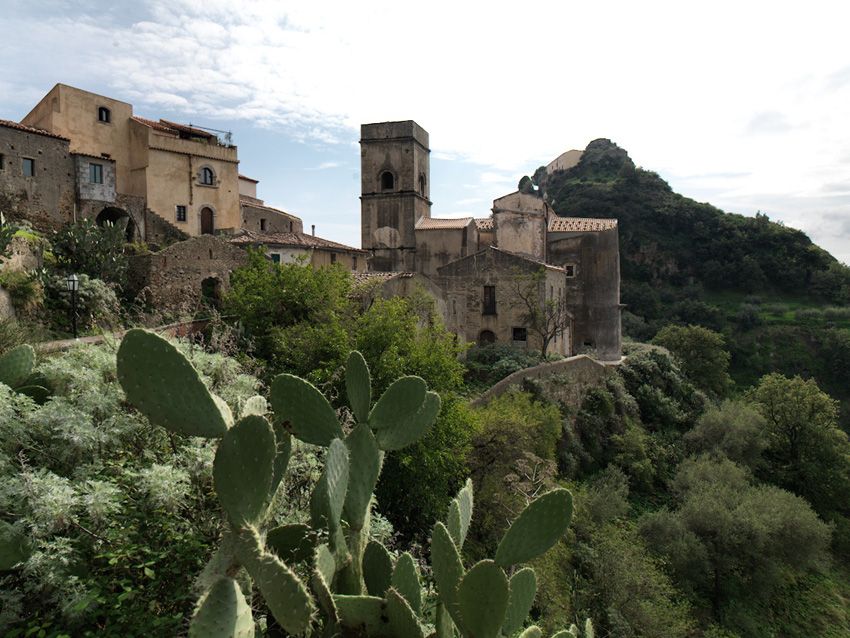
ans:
(97, 304)
(701, 354)
(84, 248)
(487, 365)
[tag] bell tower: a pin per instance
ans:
(395, 185)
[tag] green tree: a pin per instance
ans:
(806, 451)
(734, 429)
(97, 251)
(545, 316)
(701, 353)
(728, 539)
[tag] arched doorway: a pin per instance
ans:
(486, 338)
(118, 217)
(207, 221)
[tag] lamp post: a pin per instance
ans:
(73, 283)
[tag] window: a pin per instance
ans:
(489, 306)
(276, 258)
(207, 176)
(28, 167)
(103, 114)
(354, 263)
(1, 161)
(387, 181)
(181, 213)
(422, 185)
(262, 224)
(570, 269)
(96, 173)
(520, 334)
(290, 227)
(333, 258)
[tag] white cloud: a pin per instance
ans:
(755, 89)
(323, 166)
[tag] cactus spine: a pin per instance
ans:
(353, 587)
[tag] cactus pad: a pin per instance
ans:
(223, 613)
(361, 613)
(328, 497)
(410, 429)
(539, 527)
(284, 593)
(292, 543)
(297, 402)
(365, 466)
(532, 632)
(161, 383)
(448, 568)
(483, 599)
(405, 581)
(243, 468)
(523, 587)
(281, 459)
(377, 568)
(16, 365)
(13, 546)
(358, 386)
(321, 579)
(402, 619)
(400, 402)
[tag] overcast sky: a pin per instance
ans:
(742, 104)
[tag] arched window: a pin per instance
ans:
(103, 114)
(207, 176)
(387, 181)
(422, 184)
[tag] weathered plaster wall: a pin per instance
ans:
(520, 222)
(438, 247)
(45, 199)
(277, 221)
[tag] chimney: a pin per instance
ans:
(314, 230)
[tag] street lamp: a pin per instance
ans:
(73, 283)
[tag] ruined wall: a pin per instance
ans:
(276, 221)
(389, 215)
(46, 199)
(563, 381)
(593, 293)
(172, 279)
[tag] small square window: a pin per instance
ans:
(570, 269)
(96, 173)
(262, 224)
(103, 115)
(181, 213)
(276, 258)
(333, 258)
(28, 167)
(520, 334)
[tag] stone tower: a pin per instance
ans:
(395, 184)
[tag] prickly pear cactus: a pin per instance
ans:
(353, 586)
(16, 365)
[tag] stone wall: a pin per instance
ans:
(46, 199)
(563, 381)
(173, 278)
(276, 221)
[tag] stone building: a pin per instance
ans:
(476, 263)
(296, 247)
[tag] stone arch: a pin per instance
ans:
(118, 217)
(387, 181)
(486, 338)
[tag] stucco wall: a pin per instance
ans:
(520, 222)
(47, 198)
(437, 247)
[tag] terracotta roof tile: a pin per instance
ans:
(580, 224)
(432, 223)
(253, 202)
(484, 223)
(362, 277)
(31, 129)
(154, 124)
(291, 240)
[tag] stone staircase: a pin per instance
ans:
(161, 232)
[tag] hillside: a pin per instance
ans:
(779, 299)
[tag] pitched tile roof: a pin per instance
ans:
(291, 240)
(253, 202)
(31, 129)
(580, 224)
(362, 277)
(153, 124)
(484, 223)
(432, 223)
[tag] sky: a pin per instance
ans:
(743, 104)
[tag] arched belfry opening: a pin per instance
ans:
(387, 181)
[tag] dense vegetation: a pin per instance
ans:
(780, 301)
